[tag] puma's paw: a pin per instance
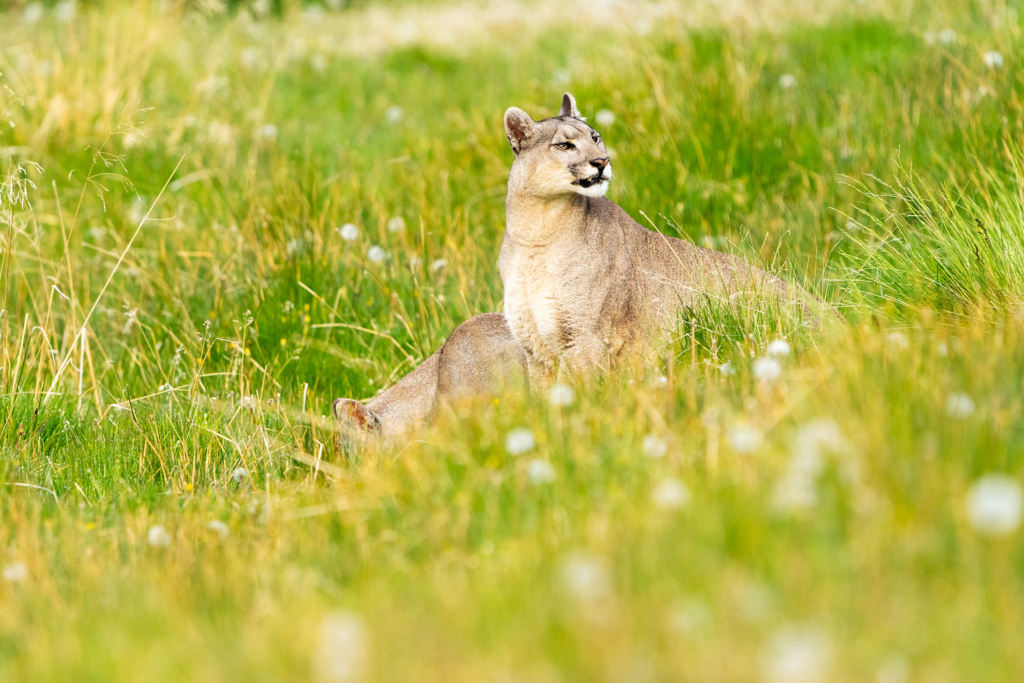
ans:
(356, 414)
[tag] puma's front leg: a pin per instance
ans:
(588, 354)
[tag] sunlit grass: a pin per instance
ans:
(762, 499)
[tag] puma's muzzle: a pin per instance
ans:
(603, 175)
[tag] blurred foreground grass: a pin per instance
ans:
(837, 507)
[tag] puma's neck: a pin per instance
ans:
(532, 221)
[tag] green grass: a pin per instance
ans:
(886, 180)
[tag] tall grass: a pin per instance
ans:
(957, 248)
(180, 306)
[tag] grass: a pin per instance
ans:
(678, 521)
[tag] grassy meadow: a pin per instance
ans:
(214, 220)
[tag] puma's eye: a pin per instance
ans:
(565, 145)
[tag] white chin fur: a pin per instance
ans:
(594, 190)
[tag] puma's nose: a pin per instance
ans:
(599, 164)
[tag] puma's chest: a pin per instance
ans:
(534, 307)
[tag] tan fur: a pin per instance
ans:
(479, 358)
(583, 281)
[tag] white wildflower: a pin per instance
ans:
(947, 36)
(248, 57)
(212, 84)
(540, 472)
(247, 402)
(294, 246)
(165, 387)
(396, 224)
(755, 600)
(64, 11)
(342, 653)
(814, 439)
(220, 527)
(562, 395)
(744, 438)
(137, 212)
(438, 264)
(993, 59)
(797, 489)
(394, 114)
(585, 577)
(239, 475)
(643, 26)
(779, 347)
(727, 369)
(797, 655)
(16, 572)
(605, 118)
(349, 232)
(268, 131)
(995, 505)
(33, 12)
(158, 536)
(767, 369)
(131, 317)
(654, 446)
(219, 133)
(661, 382)
(670, 494)
(895, 669)
(375, 254)
(519, 441)
(690, 616)
(709, 416)
(312, 14)
(897, 341)
(813, 442)
(787, 81)
(960, 405)
(296, 47)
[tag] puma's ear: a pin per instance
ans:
(355, 414)
(518, 127)
(569, 107)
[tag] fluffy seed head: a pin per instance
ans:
(519, 441)
(158, 536)
(995, 505)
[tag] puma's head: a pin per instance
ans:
(557, 156)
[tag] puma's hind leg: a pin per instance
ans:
(479, 358)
